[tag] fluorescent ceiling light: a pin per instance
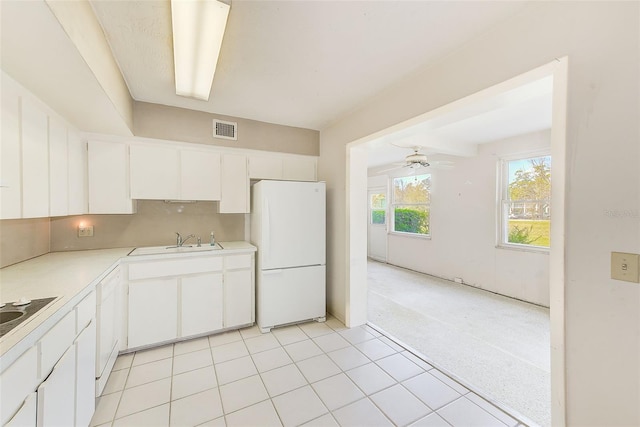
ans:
(198, 28)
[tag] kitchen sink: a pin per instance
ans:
(11, 316)
(156, 250)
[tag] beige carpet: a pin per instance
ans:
(496, 345)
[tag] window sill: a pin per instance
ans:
(522, 248)
(411, 235)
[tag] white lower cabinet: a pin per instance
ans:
(108, 323)
(85, 346)
(22, 379)
(238, 290)
(201, 304)
(27, 414)
(56, 395)
(53, 382)
(153, 311)
(188, 300)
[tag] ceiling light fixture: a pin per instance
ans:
(198, 28)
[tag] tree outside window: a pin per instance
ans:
(411, 204)
(527, 202)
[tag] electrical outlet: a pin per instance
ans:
(85, 231)
(624, 266)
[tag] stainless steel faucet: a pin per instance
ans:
(180, 241)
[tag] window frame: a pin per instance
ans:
(391, 206)
(378, 190)
(502, 218)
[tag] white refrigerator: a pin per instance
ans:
(288, 227)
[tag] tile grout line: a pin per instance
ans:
(323, 352)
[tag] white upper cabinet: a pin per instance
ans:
(261, 167)
(299, 169)
(42, 159)
(77, 150)
(35, 161)
(166, 173)
(200, 175)
(108, 166)
(10, 166)
(235, 184)
(58, 169)
(282, 167)
(155, 172)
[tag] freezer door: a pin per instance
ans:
(293, 224)
(290, 295)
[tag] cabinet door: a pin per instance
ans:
(108, 167)
(234, 197)
(10, 166)
(55, 342)
(58, 168)
(200, 172)
(85, 375)
(265, 167)
(77, 189)
(35, 161)
(201, 304)
(154, 173)
(23, 375)
(153, 311)
(300, 169)
(238, 298)
(56, 396)
(26, 415)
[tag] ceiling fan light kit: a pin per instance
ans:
(198, 29)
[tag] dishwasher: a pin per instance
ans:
(108, 327)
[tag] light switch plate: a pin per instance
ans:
(624, 266)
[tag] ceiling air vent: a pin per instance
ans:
(225, 130)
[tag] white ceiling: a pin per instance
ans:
(524, 109)
(297, 63)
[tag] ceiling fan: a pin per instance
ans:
(418, 160)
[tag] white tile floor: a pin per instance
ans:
(315, 374)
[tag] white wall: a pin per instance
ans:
(463, 228)
(602, 181)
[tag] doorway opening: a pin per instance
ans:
(413, 253)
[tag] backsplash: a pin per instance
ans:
(22, 239)
(155, 224)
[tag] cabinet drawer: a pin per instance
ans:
(174, 267)
(56, 342)
(86, 311)
(235, 262)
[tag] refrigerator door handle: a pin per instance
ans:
(267, 229)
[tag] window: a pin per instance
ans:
(526, 202)
(411, 200)
(378, 208)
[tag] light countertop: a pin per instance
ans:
(69, 276)
(66, 275)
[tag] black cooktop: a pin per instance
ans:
(11, 316)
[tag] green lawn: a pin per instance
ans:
(539, 230)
